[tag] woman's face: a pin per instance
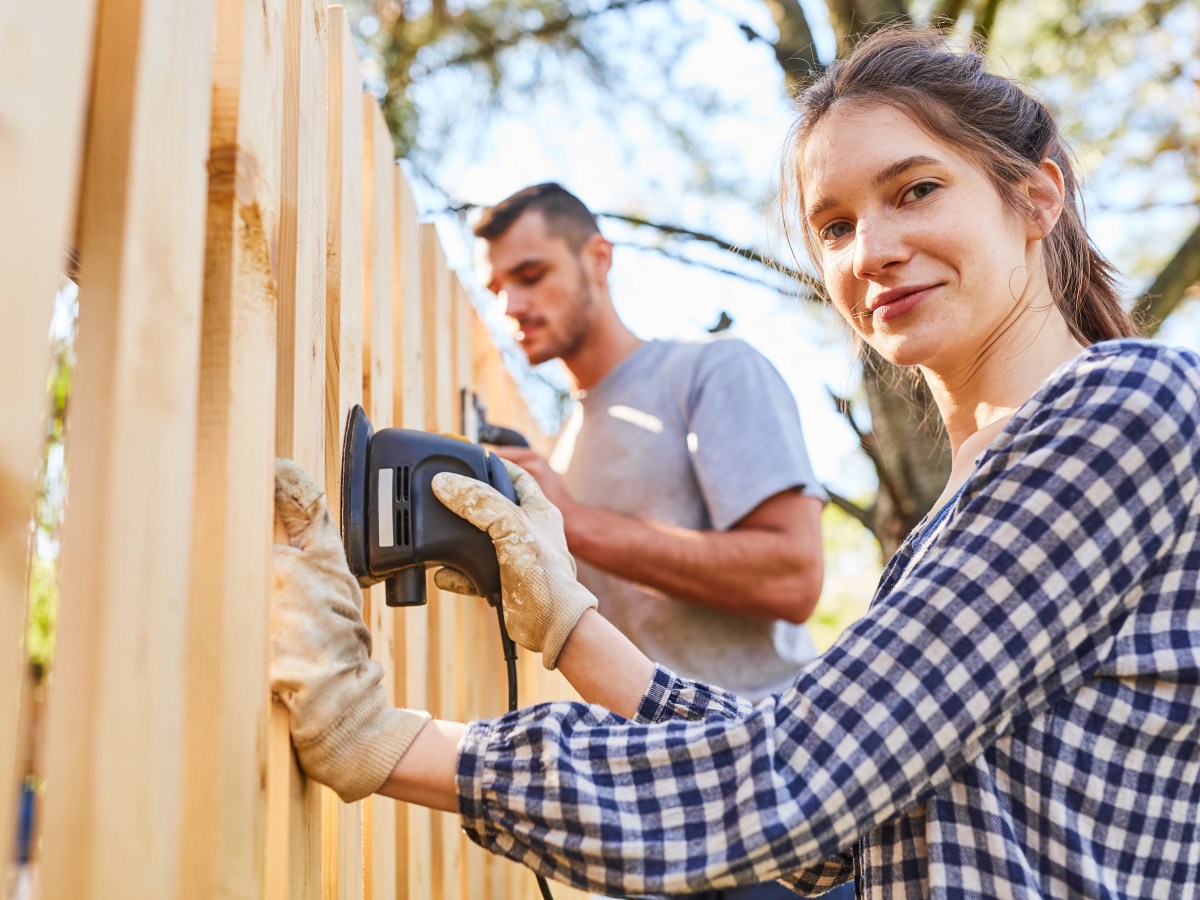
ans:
(917, 249)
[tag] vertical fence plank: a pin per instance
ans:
(226, 755)
(115, 721)
(414, 851)
(300, 420)
(440, 415)
(484, 371)
(293, 806)
(41, 140)
(379, 219)
(339, 829)
(479, 646)
(408, 280)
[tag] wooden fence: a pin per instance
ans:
(250, 266)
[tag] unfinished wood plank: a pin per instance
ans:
(293, 806)
(115, 737)
(437, 291)
(339, 829)
(379, 197)
(415, 824)
(300, 418)
(41, 142)
(378, 159)
(481, 659)
(435, 284)
(343, 296)
(228, 706)
(409, 339)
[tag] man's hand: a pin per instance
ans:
(548, 480)
(346, 734)
(541, 599)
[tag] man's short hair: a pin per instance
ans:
(564, 214)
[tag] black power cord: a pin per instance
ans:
(510, 662)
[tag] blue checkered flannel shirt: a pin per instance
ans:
(1017, 715)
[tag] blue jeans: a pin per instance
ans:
(772, 890)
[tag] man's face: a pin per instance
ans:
(544, 287)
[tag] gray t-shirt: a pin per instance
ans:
(695, 435)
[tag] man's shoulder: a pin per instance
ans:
(712, 350)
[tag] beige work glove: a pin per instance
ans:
(541, 599)
(346, 734)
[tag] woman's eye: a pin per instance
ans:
(920, 191)
(835, 231)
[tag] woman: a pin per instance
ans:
(1018, 713)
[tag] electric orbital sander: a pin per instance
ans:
(394, 527)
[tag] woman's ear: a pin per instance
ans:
(1047, 193)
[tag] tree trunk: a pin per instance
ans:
(912, 454)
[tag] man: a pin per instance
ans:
(685, 487)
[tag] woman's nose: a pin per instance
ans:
(877, 245)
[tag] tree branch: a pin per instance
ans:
(815, 289)
(813, 285)
(856, 512)
(869, 446)
(775, 286)
(550, 29)
(1169, 288)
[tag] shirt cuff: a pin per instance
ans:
(469, 781)
(655, 702)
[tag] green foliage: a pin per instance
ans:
(50, 504)
(853, 564)
(43, 601)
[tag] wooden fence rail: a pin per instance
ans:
(251, 266)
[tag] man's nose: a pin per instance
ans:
(516, 302)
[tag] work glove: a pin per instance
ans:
(345, 732)
(541, 599)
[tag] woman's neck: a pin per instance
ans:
(977, 400)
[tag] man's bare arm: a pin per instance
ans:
(768, 564)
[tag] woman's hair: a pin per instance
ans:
(996, 125)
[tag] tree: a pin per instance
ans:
(1077, 52)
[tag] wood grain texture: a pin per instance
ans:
(41, 144)
(115, 730)
(293, 806)
(379, 308)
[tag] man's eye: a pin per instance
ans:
(835, 230)
(532, 278)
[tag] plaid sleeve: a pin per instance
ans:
(1008, 610)
(671, 697)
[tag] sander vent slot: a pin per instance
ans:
(404, 470)
(404, 528)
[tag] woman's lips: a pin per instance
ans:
(902, 305)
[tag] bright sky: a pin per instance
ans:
(568, 137)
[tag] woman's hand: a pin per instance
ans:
(346, 734)
(542, 601)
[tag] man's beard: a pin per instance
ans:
(576, 325)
